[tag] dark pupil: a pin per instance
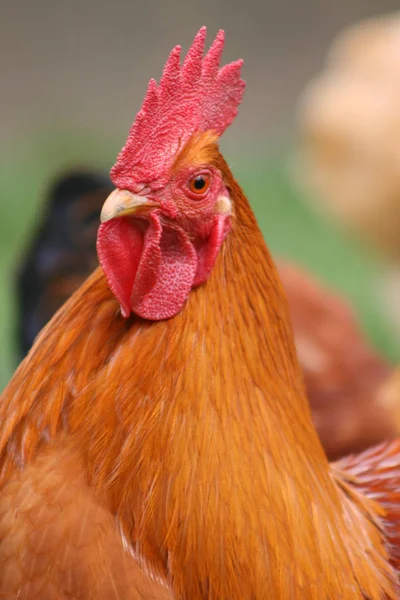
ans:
(199, 183)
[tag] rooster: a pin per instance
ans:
(157, 441)
(354, 397)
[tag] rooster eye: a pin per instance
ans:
(200, 184)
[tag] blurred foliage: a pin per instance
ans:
(290, 227)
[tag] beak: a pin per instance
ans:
(121, 203)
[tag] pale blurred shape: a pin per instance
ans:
(349, 129)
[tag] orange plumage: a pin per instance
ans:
(178, 458)
(206, 454)
(354, 395)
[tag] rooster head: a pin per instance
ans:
(165, 222)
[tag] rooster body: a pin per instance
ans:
(172, 454)
(354, 396)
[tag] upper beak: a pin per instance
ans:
(121, 202)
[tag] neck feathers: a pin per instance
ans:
(212, 462)
(198, 432)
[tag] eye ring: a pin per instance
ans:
(199, 184)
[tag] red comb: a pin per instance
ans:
(197, 96)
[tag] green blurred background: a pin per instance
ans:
(73, 77)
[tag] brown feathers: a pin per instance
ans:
(376, 474)
(58, 541)
(201, 149)
(196, 435)
(354, 397)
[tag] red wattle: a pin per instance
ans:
(166, 271)
(150, 266)
(119, 248)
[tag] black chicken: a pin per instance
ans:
(62, 252)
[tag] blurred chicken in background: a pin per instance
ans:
(354, 397)
(62, 252)
(353, 392)
(349, 148)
